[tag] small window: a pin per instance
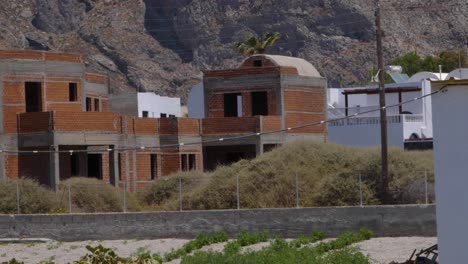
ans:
(88, 104)
(72, 92)
(163, 115)
(145, 113)
(154, 166)
(188, 162)
(171, 115)
(258, 63)
(96, 105)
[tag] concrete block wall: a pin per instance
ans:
(410, 220)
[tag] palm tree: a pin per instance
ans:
(253, 45)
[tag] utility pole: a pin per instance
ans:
(383, 110)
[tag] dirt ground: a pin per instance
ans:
(380, 250)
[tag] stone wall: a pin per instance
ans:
(410, 220)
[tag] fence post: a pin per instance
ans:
(125, 196)
(360, 190)
(425, 183)
(69, 199)
(180, 193)
(237, 192)
(18, 199)
(297, 190)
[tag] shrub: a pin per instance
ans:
(33, 197)
(327, 175)
(92, 195)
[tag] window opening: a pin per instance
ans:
(33, 96)
(259, 103)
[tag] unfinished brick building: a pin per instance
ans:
(266, 93)
(49, 103)
(55, 121)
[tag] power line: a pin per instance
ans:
(222, 139)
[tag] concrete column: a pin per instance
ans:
(114, 162)
(259, 148)
(54, 168)
(2, 166)
(135, 176)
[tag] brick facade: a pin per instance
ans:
(63, 122)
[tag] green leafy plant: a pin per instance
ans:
(254, 45)
(100, 254)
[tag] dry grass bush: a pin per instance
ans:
(33, 197)
(328, 175)
(164, 193)
(93, 196)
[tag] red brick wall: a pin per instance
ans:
(105, 167)
(96, 78)
(216, 105)
(304, 100)
(105, 105)
(145, 126)
(9, 118)
(87, 121)
(11, 166)
(68, 107)
(170, 163)
(230, 125)
(240, 72)
(271, 123)
(21, 54)
(13, 93)
(144, 166)
(188, 126)
(168, 126)
(297, 119)
(34, 122)
(65, 57)
(305, 105)
(59, 91)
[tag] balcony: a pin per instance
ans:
(69, 122)
(240, 125)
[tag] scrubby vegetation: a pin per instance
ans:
(328, 176)
(305, 249)
(33, 197)
(92, 195)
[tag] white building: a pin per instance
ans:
(146, 104)
(450, 108)
(408, 124)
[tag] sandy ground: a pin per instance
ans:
(387, 249)
(380, 250)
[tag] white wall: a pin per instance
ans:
(449, 111)
(365, 135)
(156, 104)
(196, 102)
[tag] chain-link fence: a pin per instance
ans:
(206, 193)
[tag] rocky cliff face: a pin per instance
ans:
(163, 45)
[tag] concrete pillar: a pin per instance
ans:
(54, 168)
(114, 166)
(135, 176)
(259, 148)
